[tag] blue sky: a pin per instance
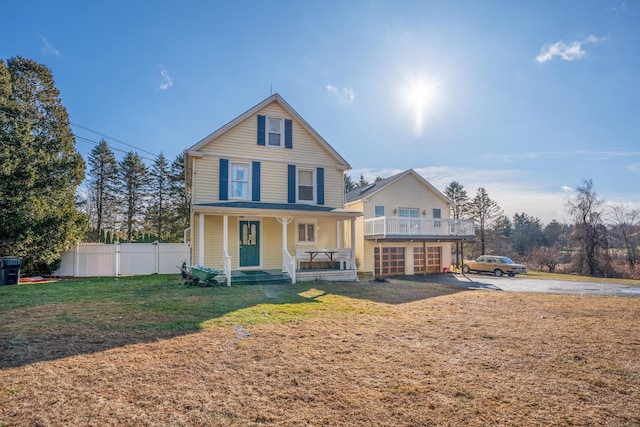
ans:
(525, 99)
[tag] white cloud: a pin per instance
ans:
(48, 48)
(345, 95)
(167, 81)
(566, 51)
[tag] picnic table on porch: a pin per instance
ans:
(315, 252)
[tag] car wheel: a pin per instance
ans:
(512, 274)
(465, 268)
(498, 272)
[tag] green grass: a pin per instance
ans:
(163, 303)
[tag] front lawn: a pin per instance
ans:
(151, 351)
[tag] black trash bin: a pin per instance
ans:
(10, 270)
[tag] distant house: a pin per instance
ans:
(406, 228)
(267, 197)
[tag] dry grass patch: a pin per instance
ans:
(425, 356)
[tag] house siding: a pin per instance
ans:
(407, 192)
(239, 144)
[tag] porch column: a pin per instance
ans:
(200, 239)
(225, 234)
(339, 233)
(353, 243)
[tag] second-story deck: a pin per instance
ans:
(406, 228)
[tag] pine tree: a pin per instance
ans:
(103, 180)
(485, 212)
(458, 195)
(159, 196)
(180, 200)
(134, 187)
(40, 168)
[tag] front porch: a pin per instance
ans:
(284, 242)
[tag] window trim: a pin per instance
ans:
(307, 222)
(436, 222)
(375, 211)
(248, 167)
(267, 131)
(314, 185)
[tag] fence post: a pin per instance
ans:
(76, 266)
(156, 258)
(117, 255)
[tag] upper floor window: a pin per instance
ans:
(410, 212)
(239, 181)
(306, 188)
(275, 132)
(437, 214)
(378, 211)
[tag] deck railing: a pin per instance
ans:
(384, 227)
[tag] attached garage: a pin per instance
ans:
(433, 261)
(392, 262)
(412, 259)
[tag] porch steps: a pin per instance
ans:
(257, 277)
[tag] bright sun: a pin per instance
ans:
(420, 96)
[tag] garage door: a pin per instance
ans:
(392, 262)
(433, 260)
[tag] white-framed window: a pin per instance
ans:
(378, 211)
(409, 226)
(239, 181)
(306, 189)
(306, 232)
(437, 214)
(275, 132)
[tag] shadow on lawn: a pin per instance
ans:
(60, 320)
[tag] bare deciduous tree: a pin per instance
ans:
(589, 232)
(625, 226)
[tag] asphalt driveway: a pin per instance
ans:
(525, 284)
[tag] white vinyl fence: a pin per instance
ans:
(99, 259)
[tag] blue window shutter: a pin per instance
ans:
(224, 180)
(291, 183)
(255, 181)
(320, 179)
(288, 133)
(261, 127)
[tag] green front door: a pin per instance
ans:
(249, 243)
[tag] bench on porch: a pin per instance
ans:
(320, 258)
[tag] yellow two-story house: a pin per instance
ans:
(267, 198)
(406, 228)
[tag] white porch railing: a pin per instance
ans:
(289, 264)
(384, 226)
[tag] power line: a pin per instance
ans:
(83, 139)
(112, 138)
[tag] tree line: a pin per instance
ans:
(602, 239)
(127, 201)
(41, 210)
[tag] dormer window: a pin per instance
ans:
(275, 134)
